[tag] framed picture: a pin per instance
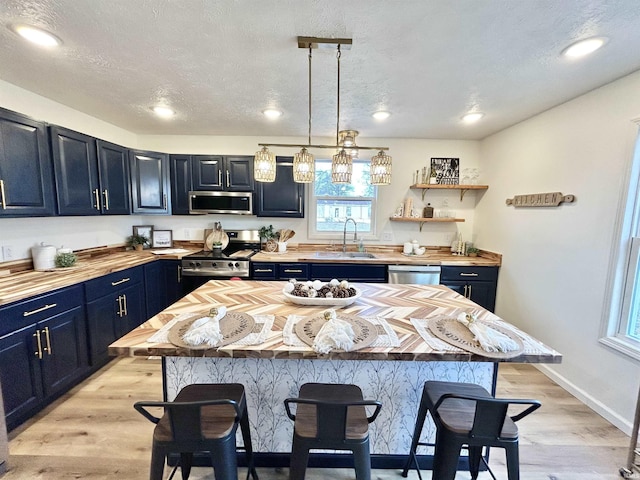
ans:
(144, 230)
(447, 170)
(162, 239)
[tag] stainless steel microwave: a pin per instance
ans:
(239, 203)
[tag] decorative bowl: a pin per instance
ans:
(321, 301)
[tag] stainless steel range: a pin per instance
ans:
(231, 262)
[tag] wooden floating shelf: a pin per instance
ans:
(463, 188)
(422, 221)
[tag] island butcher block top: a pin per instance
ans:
(402, 308)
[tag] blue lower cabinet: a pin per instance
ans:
(287, 271)
(350, 272)
(43, 351)
(263, 271)
(478, 284)
(162, 285)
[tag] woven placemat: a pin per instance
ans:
(455, 333)
(233, 326)
(365, 332)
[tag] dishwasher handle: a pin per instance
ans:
(415, 268)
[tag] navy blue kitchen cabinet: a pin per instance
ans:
(349, 271)
(181, 183)
(115, 306)
(478, 284)
(287, 271)
(263, 271)
(222, 173)
(115, 184)
(43, 351)
(283, 197)
(26, 173)
(150, 190)
(92, 176)
(163, 284)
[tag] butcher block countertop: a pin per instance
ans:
(25, 284)
(396, 303)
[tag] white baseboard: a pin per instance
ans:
(600, 408)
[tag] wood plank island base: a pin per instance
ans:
(273, 370)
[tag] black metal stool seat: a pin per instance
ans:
(467, 414)
(202, 418)
(330, 416)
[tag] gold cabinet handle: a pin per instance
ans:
(48, 338)
(220, 177)
(105, 192)
(292, 271)
(465, 291)
(228, 179)
(263, 270)
(39, 343)
(124, 302)
(469, 297)
(96, 194)
(124, 280)
(119, 299)
(38, 310)
(300, 204)
(3, 198)
(179, 274)
(468, 274)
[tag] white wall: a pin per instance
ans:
(556, 260)
(82, 232)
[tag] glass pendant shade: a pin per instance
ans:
(264, 166)
(341, 167)
(380, 169)
(304, 167)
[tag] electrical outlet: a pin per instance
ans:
(387, 236)
(187, 234)
(7, 253)
(1, 255)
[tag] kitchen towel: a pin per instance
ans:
(206, 330)
(386, 338)
(335, 334)
(489, 339)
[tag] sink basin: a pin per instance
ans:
(343, 255)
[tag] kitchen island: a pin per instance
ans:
(272, 370)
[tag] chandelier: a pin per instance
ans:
(342, 162)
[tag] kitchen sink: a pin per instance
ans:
(343, 255)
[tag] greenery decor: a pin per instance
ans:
(268, 233)
(137, 241)
(64, 260)
(473, 251)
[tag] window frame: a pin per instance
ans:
(625, 262)
(312, 230)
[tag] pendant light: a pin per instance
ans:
(380, 169)
(304, 165)
(342, 164)
(264, 166)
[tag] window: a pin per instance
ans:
(622, 321)
(331, 204)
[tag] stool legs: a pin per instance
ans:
(513, 461)
(362, 461)
(417, 431)
(246, 439)
(224, 460)
(445, 458)
(475, 453)
(299, 459)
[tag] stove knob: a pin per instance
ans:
(192, 264)
(230, 264)
(237, 265)
(198, 264)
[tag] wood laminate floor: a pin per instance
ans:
(94, 433)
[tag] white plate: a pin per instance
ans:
(322, 302)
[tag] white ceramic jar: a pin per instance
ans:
(43, 257)
(407, 248)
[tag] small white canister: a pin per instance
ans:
(43, 257)
(408, 248)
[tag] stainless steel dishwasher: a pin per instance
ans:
(419, 274)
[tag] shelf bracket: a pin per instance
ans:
(424, 190)
(462, 192)
(421, 224)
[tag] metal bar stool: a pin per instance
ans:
(202, 418)
(467, 414)
(331, 416)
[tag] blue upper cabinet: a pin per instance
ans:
(283, 197)
(92, 176)
(181, 184)
(217, 173)
(26, 174)
(115, 189)
(150, 191)
(76, 168)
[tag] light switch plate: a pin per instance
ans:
(387, 236)
(7, 253)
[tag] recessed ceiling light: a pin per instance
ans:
(472, 117)
(36, 35)
(381, 115)
(584, 47)
(272, 113)
(164, 112)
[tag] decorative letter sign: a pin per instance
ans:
(553, 199)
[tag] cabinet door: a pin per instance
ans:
(263, 271)
(238, 175)
(64, 345)
(115, 186)
(76, 172)
(482, 293)
(349, 271)
(173, 280)
(208, 172)
(299, 271)
(20, 375)
(180, 183)
(100, 321)
(132, 312)
(149, 182)
(25, 167)
(155, 287)
(283, 197)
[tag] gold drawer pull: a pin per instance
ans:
(124, 280)
(3, 198)
(38, 310)
(263, 270)
(468, 274)
(46, 335)
(39, 343)
(292, 271)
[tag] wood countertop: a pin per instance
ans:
(396, 303)
(18, 286)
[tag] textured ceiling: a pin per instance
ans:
(219, 63)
